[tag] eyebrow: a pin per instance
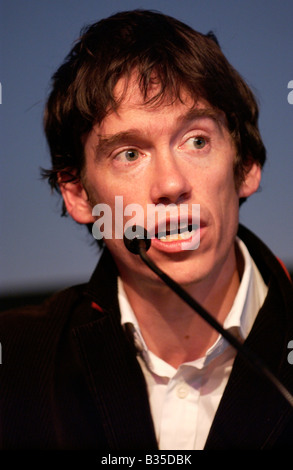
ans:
(198, 113)
(108, 142)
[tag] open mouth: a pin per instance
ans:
(184, 232)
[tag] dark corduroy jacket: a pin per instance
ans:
(69, 377)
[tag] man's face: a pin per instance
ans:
(172, 153)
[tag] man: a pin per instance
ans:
(150, 111)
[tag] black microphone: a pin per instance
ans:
(138, 242)
(136, 239)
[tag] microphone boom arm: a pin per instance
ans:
(248, 355)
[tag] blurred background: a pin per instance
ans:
(41, 252)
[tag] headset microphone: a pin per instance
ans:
(137, 242)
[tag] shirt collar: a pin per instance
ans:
(249, 298)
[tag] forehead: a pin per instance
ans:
(130, 91)
(131, 99)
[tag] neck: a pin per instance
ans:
(171, 329)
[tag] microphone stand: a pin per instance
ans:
(253, 360)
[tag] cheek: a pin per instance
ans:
(219, 197)
(105, 189)
(217, 185)
(117, 208)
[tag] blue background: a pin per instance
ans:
(42, 251)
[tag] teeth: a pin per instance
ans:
(184, 227)
(178, 236)
(186, 235)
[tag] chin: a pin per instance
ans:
(185, 270)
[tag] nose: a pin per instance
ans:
(170, 183)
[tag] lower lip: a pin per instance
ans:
(176, 246)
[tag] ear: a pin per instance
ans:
(251, 182)
(76, 201)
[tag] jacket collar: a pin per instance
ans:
(109, 360)
(102, 287)
(252, 413)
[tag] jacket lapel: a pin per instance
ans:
(252, 413)
(113, 373)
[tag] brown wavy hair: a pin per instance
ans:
(151, 43)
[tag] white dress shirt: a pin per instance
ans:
(184, 401)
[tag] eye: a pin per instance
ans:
(129, 155)
(199, 142)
